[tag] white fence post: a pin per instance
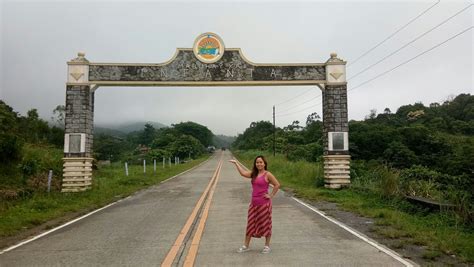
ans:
(50, 176)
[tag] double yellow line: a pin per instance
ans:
(192, 252)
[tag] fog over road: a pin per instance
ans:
(141, 230)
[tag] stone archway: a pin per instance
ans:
(208, 63)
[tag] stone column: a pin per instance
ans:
(78, 139)
(335, 125)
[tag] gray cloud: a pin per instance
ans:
(37, 39)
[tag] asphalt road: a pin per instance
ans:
(141, 230)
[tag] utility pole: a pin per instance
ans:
(273, 130)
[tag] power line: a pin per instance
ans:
(393, 34)
(392, 69)
(311, 99)
(403, 63)
(294, 97)
(411, 59)
(291, 113)
(412, 41)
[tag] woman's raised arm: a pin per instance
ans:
(242, 171)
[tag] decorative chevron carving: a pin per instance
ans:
(336, 75)
(77, 76)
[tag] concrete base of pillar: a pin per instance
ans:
(77, 174)
(337, 171)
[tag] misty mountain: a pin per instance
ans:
(124, 128)
(108, 131)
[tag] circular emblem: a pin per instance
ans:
(208, 47)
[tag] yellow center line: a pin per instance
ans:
(189, 261)
(169, 259)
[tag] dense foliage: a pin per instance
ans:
(29, 148)
(184, 140)
(424, 150)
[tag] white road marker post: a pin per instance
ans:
(50, 176)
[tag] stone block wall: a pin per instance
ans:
(79, 117)
(334, 114)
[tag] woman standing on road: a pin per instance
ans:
(259, 220)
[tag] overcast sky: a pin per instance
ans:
(38, 38)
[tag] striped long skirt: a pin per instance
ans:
(259, 220)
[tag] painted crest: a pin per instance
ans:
(208, 47)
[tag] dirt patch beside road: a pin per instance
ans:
(403, 245)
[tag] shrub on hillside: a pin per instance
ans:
(10, 148)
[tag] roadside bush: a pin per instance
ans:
(463, 202)
(35, 165)
(159, 154)
(388, 185)
(296, 153)
(363, 176)
(311, 152)
(10, 148)
(420, 188)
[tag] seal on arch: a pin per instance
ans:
(208, 47)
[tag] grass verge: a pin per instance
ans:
(109, 184)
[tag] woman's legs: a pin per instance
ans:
(247, 240)
(267, 240)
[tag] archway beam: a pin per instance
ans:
(184, 69)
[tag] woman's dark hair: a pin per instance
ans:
(254, 169)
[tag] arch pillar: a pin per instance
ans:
(79, 124)
(335, 125)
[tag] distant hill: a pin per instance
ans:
(108, 131)
(125, 128)
(223, 140)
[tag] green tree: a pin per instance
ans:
(404, 110)
(10, 144)
(253, 137)
(32, 128)
(108, 147)
(186, 145)
(56, 136)
(147, 136)
(399, 156)
(370, 140)
(164, 137)
(198, 131)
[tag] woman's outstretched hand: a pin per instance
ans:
(233, 161)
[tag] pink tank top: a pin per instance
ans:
(259, 189)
